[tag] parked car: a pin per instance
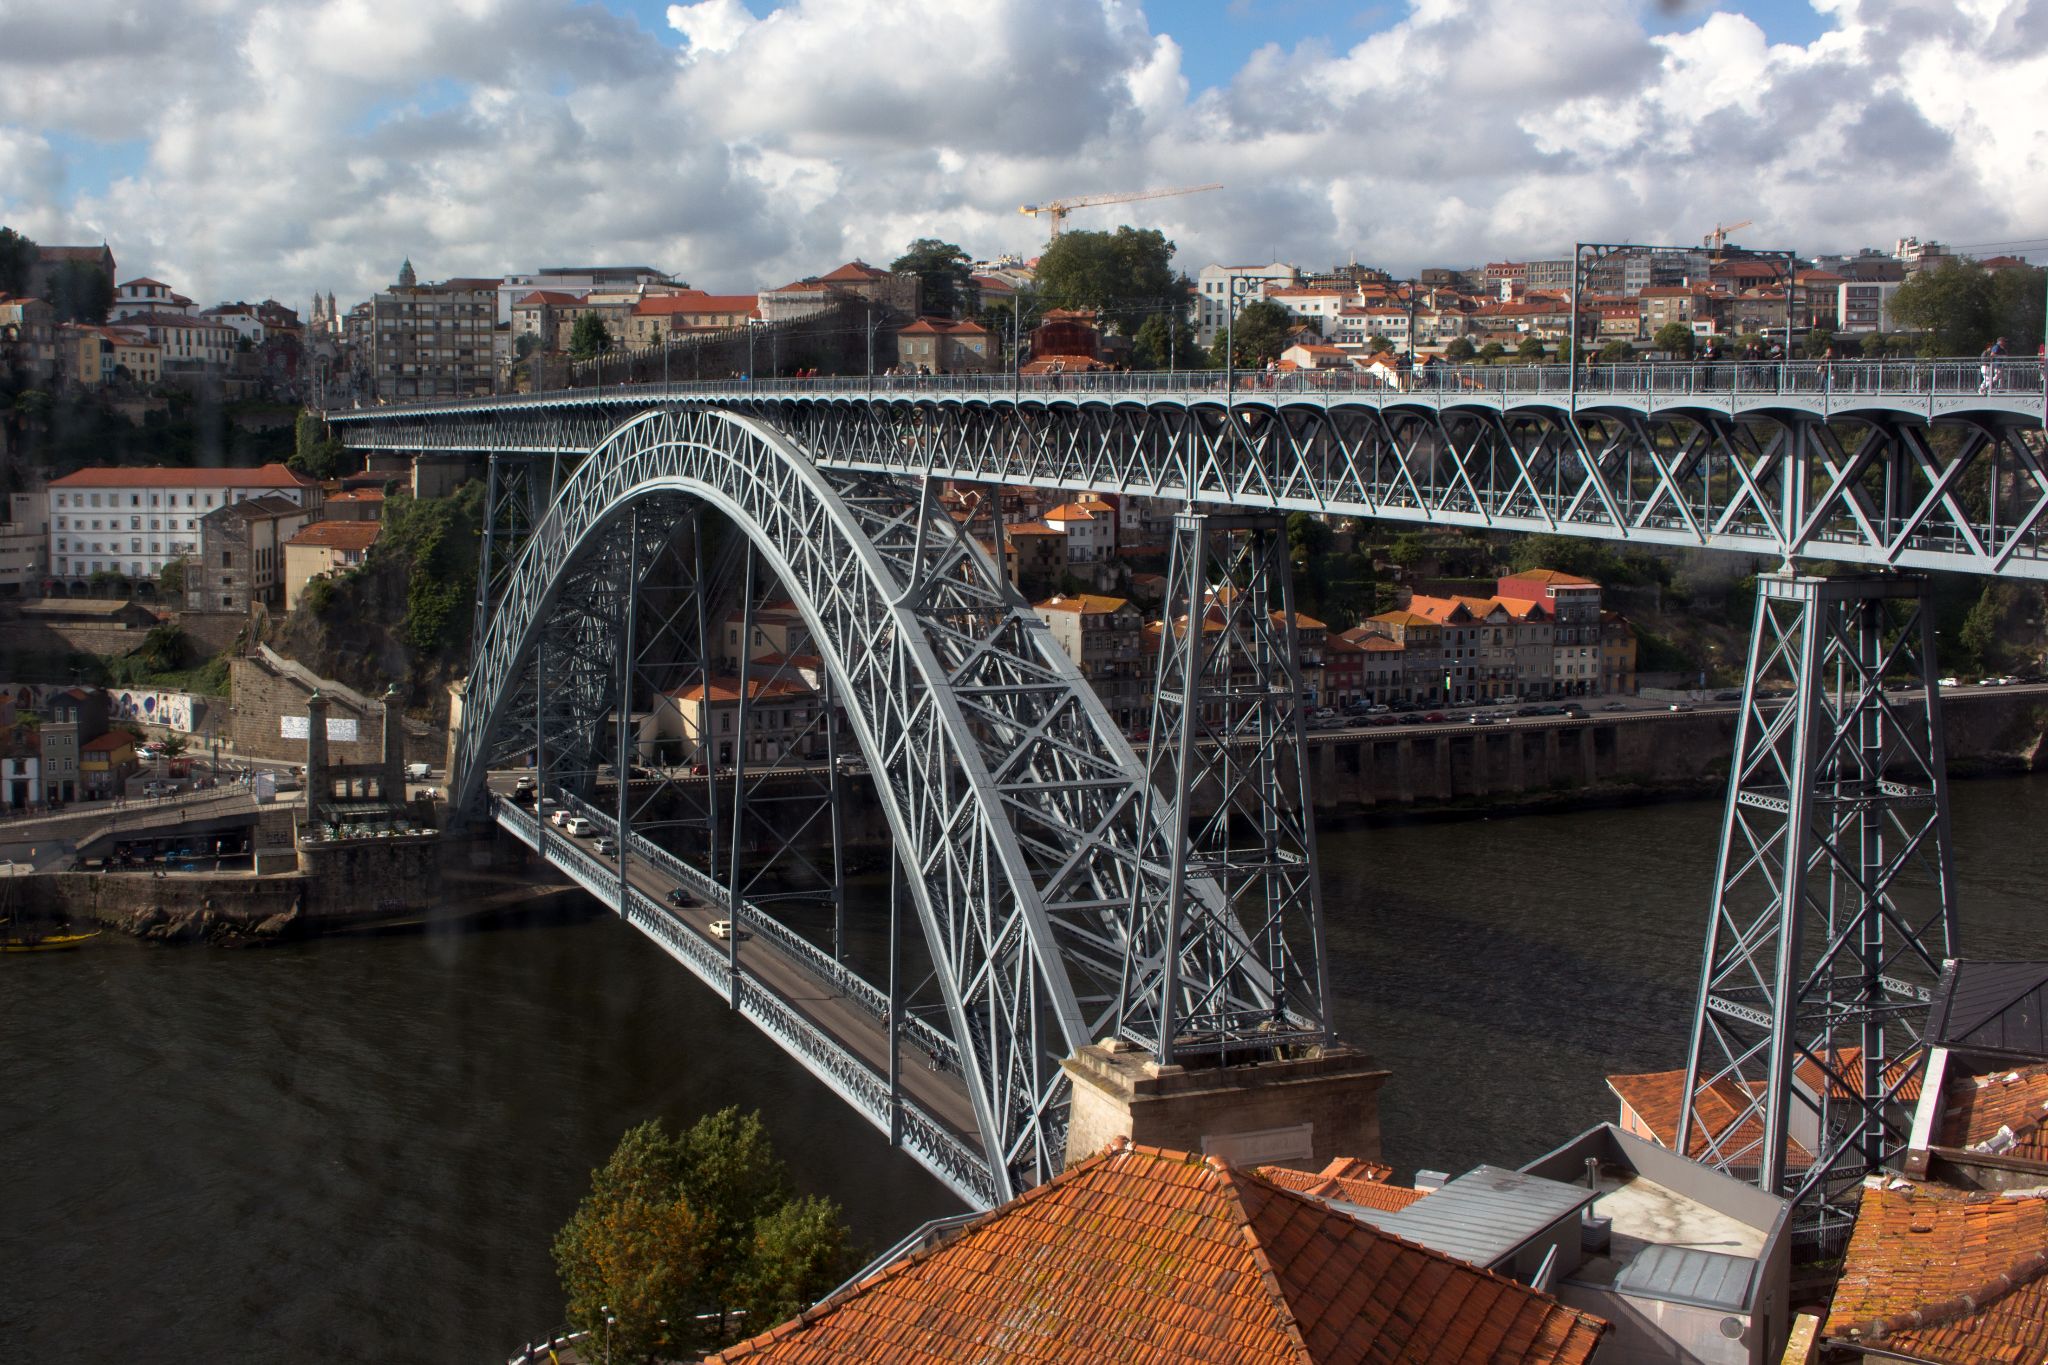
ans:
(1388, 720)
(722, 928)
(1412, 718)
(1433, 718)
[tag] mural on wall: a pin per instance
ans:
(179, 711)
(340, 729)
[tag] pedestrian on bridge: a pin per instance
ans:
(1987, 372)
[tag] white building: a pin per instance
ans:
(24, 544)
(1865, 305)
(145, 295)
(133, 522)
(240, 318)
(1212, 287)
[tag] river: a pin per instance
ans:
(360, 1148)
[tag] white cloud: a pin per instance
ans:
(300, 144)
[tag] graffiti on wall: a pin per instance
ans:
(179, 711)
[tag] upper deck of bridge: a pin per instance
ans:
(1929, 390)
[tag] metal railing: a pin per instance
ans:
(946, 1155)
(2005, 380)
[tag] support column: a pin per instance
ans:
(622, 763)
(1817, 969)
(736, 892)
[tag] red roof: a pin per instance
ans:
(156, 476)
(854, 272)
(111, 740)
(1939, 1275)
(339, 535)
(1975, 1108)
(1140, 1256)
(548, 296)
(1347, 1180)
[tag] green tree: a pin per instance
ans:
(164, 650)
(79, 292)
(1377, 343)
(1955, 305)
(1673, 338)
(1818, 342)
(17, 259)
(1531, 349)
(1876, 345)
(1492, 351)
(2016, 295)
(1460, 350)
(946, 273)
(1617, 352)
(1259, 335)
(1160, 334)
(1122, 275)
(590, 337)
(700, 1224)
(170, 581)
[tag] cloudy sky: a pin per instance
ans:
(242, 148)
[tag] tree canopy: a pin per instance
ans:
(1460, 350)
(1673, 338)
(1530, 348)
(1124, 275)
(17, 258)
(1162, 339)
(79, 293)
(1259, 335)
(1962, 307)
(589, 337)
(679, 1232)
(947, 275)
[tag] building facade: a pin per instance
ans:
(1102, 636)
(430, 340)
(239, 563)
(133, 522)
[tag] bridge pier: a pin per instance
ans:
(1834, 897)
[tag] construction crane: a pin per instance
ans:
(1058, 209)
(1718, 238)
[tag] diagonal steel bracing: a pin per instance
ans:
(1834, 902)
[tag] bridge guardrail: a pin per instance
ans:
(2010, 377)
(936, 1146)
(935, 1043)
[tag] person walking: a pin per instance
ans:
(1987, 366)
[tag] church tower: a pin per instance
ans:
(407, 279)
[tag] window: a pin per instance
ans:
(227, 560)
(95, 500)
(60, 500)
(135, 523)
(135, 499)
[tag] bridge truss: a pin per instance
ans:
(1030, 858)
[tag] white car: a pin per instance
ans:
(580, 828)
(722, 928)
(1948, 682)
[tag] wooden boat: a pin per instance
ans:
(47, 943)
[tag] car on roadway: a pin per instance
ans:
(2002, 680)
(679, 897)
(606, 845)
(1948, 682)
(1378, 721)
(579, 828)
(1412, 718)
(1433, 718)
(722, 928)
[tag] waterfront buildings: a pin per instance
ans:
(324, 548)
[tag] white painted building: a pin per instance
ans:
(133, 522)
(145, 295)
(1212, 290)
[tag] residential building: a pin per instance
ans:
(28, 336)
(1553, 276)
(1140, 1256)
(21, 766)
(1574, 606)
(578, 281)
(1344, 670)
(356, 504)
(853, 282)
(1617, 654)
(1089, 525)
(1665, 304)
(1102, 636)
(323, 548)
(937, 346)
(1214, 299)
(73, 717)
(85, 355)
(50, 259)
(1425, 661)
(189, 346)
(240, 560)
(132, 522)
(137, 359)
(24, 544)
(429, 341)
(104, 763)
(1320, 306)
(1041, 552)
(1865, 306)
(779, 629)
(697, 723)
(240, 318)
(541, 314)
(660, 316)
(147, 296)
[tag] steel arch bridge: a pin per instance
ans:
(1055, 878)
(1016, 805)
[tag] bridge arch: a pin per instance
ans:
(1010, 792)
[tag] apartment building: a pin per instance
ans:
(324, 548)
(429, 340)
(240, 559)
(1102, 635)
(133, 522)
(1213, 296)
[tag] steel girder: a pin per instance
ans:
(1834, 904)
(1015, 802)
(1929, 476)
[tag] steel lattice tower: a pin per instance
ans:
(1834, 898)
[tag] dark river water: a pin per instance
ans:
(359, 1149)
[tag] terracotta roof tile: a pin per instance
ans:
(1940, 1275)
(1143, 1256)
(263, 476)
(1349, 1181)
(340, 535)
(1975, 1108)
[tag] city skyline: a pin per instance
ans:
(286, 148)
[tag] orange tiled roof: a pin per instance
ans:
(1403, 618)
(340, 535)
(1347, 1180)
(727, 688)
(1974, 1108)
(1557, 578)
(1086, 603)
(1142, 1257)
(264, 476)
(1721, 1109)
(1939, 1275)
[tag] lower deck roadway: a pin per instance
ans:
(939, 1092)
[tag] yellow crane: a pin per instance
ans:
(1718, 238)
(1058, 209)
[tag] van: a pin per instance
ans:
(579, 827)
(418, 772)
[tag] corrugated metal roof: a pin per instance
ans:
(1995, 1007)
(1707, 1279)
(1482, 1216)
